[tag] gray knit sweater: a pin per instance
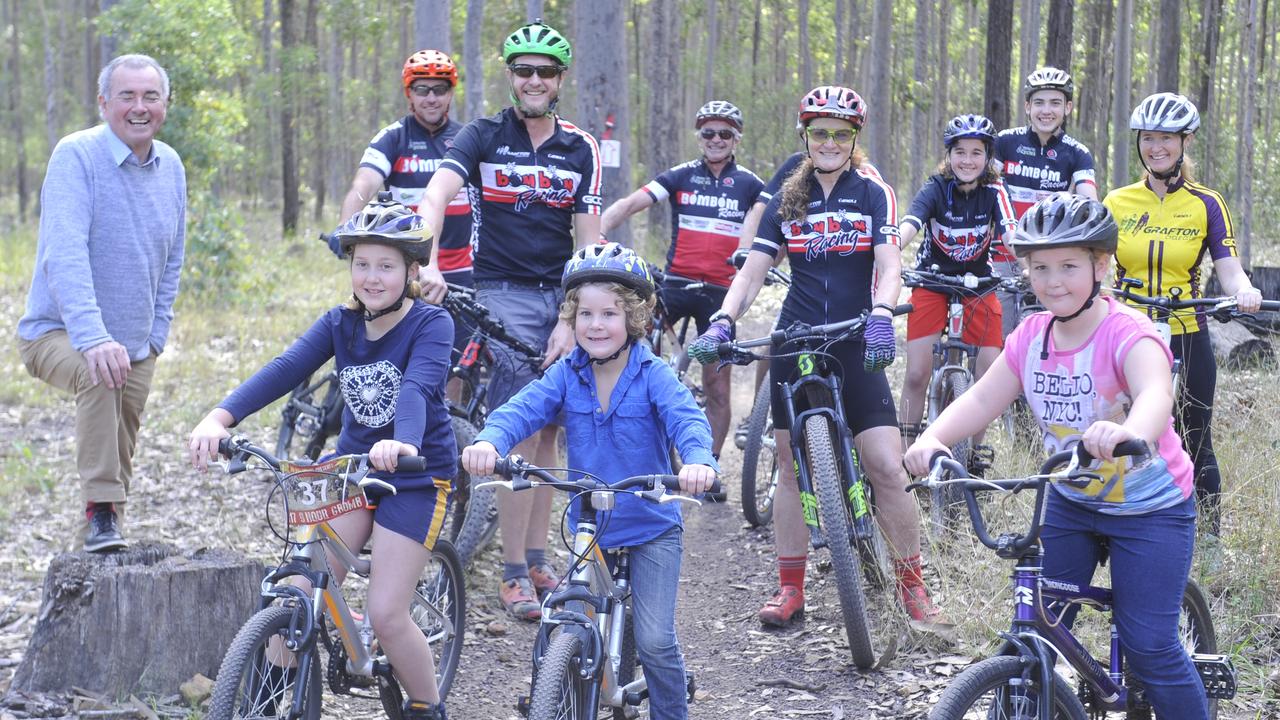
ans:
(110, 246)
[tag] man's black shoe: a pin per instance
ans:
(104, 530)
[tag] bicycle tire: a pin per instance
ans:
(239, 677)
(963, 698)
(1195, 626)
(759, 453)
(328, 424)
(946, 503)
(438, 608)
(558, 690)
(475, 516)
(833, 514)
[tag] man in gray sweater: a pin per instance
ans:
(112, 227)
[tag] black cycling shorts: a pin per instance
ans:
(698, 304)
(868, 402)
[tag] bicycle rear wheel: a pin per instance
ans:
(1195, 627)
(759, 462)
(833, 514)
(946, 503)
(308, 422)
(258, 677)
(474, 520)
(994, 690)
(559, 692)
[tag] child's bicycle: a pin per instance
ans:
(273, 667)
(954, 372)
(836, 500)
(584, 657)
(1020, 680)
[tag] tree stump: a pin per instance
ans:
(141, 621)
(1235, 347)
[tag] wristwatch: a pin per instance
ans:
(885, 306)
(721, 315)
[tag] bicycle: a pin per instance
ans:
(836, 500)
(954, 372)
(584, 656)
(291, 625)
(668, 341)
(1018, 421)
(1015, 681)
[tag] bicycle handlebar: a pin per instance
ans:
(462, 301)
(774, 275)
(237, 449)
(967, 283)
(736, 351)
(1223, 309)
(521, 476)
(1012, 545)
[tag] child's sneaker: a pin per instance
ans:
(519, 598)
(785, 606)
(544, 577)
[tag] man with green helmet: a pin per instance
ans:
(538, 182)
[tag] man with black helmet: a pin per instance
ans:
(537, 182)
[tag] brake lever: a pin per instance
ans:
(370, 481)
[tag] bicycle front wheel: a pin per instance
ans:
(259, 678)
(475, 514)
(833, 514)
(759, 462)
(946, 503)
(1195, 627)
(994, 690)
(559, 691)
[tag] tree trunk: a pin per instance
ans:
(431, 25)
(1057, 51)
(1095, 93)
(755, 46)
(1203, 75)
(473, 64)
(604, 92)
(1170, 27)
(806, 53)
(315, 98)
(881, 77)
(854, 42)
(15, 102)
(995, 93)
(91, 67)
(140, 621)
(1120, 107)
(288, 133)
(661, 116)
(533, 9)
(841, 39)
(337, 161)
(52, 81)
(266, 184)
(106, 43)
(1029, 47)
(1236, 348)
(1244, 145)
(708, 83)
(921, 147)
(944, 64)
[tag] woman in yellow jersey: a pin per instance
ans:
(1168, 222)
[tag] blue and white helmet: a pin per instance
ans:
(608, 262)
(969, 126)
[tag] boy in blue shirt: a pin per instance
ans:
(623, 411)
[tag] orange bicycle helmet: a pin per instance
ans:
(429, 65)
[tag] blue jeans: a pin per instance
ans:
(1150, 559)
(655, 577)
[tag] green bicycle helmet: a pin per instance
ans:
(537, 38)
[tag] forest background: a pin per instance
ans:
(275, 100)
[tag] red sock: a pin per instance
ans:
(791, 571)
(909, 571)
(89, 508)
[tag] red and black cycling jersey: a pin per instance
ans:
(524, 215)
(1032, 171)
(706, 217)
(406, 155)
(772, 187)
(960, 231)
(830, 249)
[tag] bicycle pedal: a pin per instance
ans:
(522, 705)
(1218, 674)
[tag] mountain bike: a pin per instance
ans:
(584, 656)
(273, 667)
(1019, 423)
(954, 372)
(1020, 681)
(836, 499)
(668, 341)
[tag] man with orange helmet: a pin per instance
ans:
(404, 156)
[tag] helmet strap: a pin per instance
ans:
(611, 358)
(1044, 343)
(393, 307)
(847, 163)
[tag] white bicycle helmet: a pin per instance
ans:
(1165, 112)
(719, 110)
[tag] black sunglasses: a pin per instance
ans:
(425, 90)
(546, 72)
(724, 133)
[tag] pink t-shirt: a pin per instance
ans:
(1075, 388)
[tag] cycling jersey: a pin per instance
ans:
(775, 183)
(406, 154)
(1162, 242)
(1033, 171)
(706, 216)
(830, 250)
(961, 230)
(524, 215)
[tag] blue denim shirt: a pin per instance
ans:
(650, 412)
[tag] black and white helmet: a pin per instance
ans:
(1066, 220)
(719, 110)
(1049, 78)
(1165, 112)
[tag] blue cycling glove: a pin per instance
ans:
(880, 350)
(704, 349)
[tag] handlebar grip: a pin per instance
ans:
(226, 446)
(1128, 448)
(411, 463)
(504, 467)
(672, 483)
(903, 309)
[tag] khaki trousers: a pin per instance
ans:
(107, 420)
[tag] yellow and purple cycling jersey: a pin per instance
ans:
(1077, 387)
